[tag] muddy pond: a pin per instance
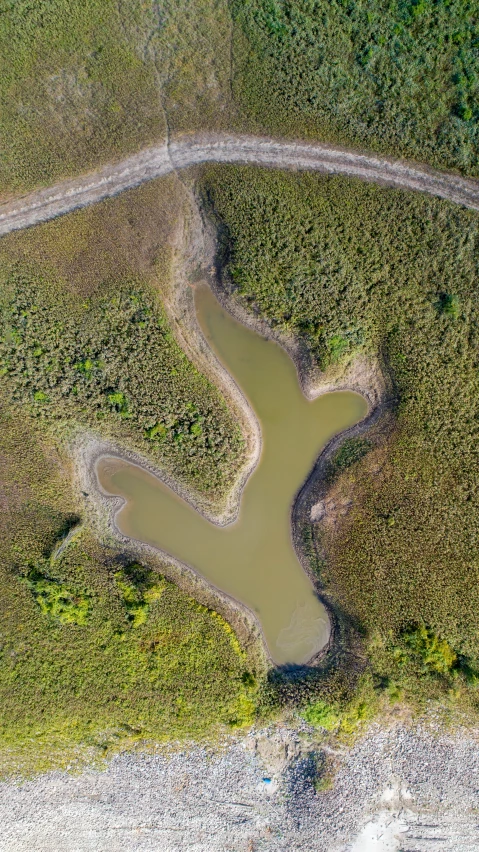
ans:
(252, 559)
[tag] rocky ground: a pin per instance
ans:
(397, 790)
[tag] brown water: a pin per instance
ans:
(252, 559)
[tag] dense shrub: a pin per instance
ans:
(113, 362)
(56, 600)
(351, 451)
(402, 78)
(138, 588)
(322, 715)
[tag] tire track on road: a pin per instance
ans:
(160, 160)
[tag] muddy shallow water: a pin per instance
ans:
(252, 559)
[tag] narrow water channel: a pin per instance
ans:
(252, 559)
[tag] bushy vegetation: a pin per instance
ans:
(56, 600)
(321, 714)
(351, 451)
(85, 340)
(397, 77)
(417, 662)
(395, 275)
(138, 588)
(113, 360)
(97, 653)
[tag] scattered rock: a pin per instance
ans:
(318, 511)
(403, 788)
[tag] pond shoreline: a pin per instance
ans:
(363, 376)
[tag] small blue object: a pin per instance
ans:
(266, 780)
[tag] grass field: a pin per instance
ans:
(98, 653)
(86, 82)
(75, 88)
(353, 269)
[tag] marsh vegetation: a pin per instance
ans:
(391, 275)
(99, 651)
(400, 78)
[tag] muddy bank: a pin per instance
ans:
(253, 561)
(100, 511)
(195, 250)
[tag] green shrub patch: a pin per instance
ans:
(56, 600)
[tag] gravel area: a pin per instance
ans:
(397, 790)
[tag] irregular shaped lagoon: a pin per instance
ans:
(252, 559)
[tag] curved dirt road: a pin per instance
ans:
(162, 159)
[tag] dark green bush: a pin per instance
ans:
(401, 78)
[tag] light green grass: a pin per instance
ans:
(87, 81)
(76, 87)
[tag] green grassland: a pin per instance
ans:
(74, 89)
(401, 78)
(193, 57)
(356, 269)
(96, 652)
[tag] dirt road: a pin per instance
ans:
(163, 159)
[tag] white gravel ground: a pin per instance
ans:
(399, 790)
